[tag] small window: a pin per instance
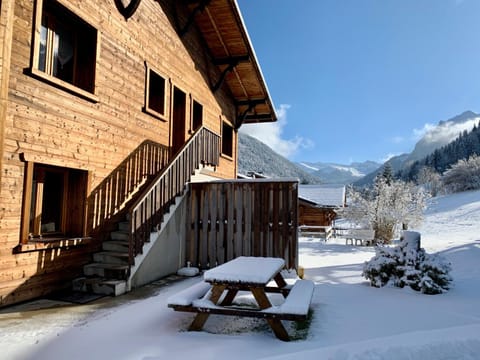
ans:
(155, 94)
(227, 140)
(54, 201)
(66, 48)
(197, 115)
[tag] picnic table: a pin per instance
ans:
(257, 275)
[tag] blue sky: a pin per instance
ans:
(356, 80)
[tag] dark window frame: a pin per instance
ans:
(51, 20)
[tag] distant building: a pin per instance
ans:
(317, 204)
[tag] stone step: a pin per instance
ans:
(111, 257)
(110, 287)
(119, 235)
(99, 285)
(115, 246)
(111, 271)
(124, 226)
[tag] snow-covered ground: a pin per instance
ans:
(351, 320)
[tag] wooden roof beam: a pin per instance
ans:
(201, 5)
(232, 62)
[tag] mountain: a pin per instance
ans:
(332, 173)
(442, 134)
(434, 138)
(253, 155)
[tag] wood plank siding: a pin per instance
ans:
(91, 133)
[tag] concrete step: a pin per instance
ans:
(99, 285)
(119, 235)
(111, 271)
(115, 246)
(110, 287)
(124, 226)
(111, 257)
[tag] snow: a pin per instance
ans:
(245, 269)
(351, 320)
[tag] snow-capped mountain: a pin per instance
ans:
(442, 134)
(253, 155)
(331, 173)
(435, 137)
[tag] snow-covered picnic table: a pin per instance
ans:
(220, 285)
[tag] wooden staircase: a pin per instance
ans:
(110, 270)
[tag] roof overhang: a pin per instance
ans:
(221, 25)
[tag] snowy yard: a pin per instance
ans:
(351, 320)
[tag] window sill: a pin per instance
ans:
(155, 114)
(228, 157)
(40, 75)
(53, 243)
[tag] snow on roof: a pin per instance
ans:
(323, 195)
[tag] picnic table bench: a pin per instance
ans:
(360, 236)
(215, 294)
(323, 232)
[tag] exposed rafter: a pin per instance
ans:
(232, 62)
(199, 8)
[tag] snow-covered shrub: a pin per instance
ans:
(408, 265)
(463, 176)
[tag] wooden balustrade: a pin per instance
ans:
(112, 194)
(147, 213)
(227, 219)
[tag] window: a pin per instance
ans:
(65, 49)
(54, 202)
(197, 116)
(227, 140)
(155, 95)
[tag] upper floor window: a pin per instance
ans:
(227, 140)
(156, 94)
(197, 115)
(66, 47)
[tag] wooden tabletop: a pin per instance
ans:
(246, 270)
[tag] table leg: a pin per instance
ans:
(264, 303)
(201, 318)
(280, 281)
(229, 297)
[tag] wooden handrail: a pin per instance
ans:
(147, 213)
(112, 194)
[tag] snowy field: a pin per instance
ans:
(351, 320)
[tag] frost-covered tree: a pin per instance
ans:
(463, 176)
(408, 265)
(386, 208)
(430, 180)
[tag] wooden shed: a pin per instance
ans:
(317, 204)
(107, 109)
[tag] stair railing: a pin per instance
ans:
(113, 193)
(147, 213)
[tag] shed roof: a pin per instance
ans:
(320, 195)
(221, 25)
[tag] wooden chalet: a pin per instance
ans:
(317, 204)
(115, 117)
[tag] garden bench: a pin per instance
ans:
(360, 236)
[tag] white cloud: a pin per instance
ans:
(271, 134)
(388, 157)
(398, 139)
(446, 132)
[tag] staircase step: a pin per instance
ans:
(110, 287)
(124, 226)
(99, 285)
(111, 271)
(119, 235)
(115, 246)
(111, 257)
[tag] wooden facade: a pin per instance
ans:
(95, 101)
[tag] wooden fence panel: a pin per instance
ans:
(242, 218)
